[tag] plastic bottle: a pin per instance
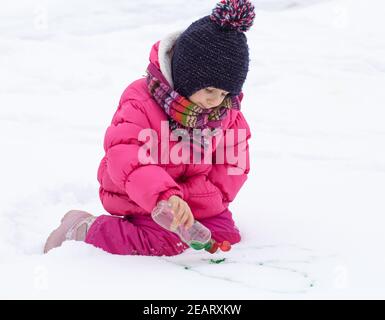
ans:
(197, 236)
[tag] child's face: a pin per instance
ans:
(209, 97)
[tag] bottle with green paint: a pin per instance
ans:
(197, 237)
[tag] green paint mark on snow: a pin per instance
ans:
(217, 261)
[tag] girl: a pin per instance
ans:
(194, 81)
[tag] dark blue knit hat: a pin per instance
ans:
(213, 51)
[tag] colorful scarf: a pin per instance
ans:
(183, 113)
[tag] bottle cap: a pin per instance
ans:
(225, 246)
(212, 246)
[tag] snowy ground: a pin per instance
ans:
(312, 211)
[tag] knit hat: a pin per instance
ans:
(213, 51)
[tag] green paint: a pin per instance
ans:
(197, 245)
(217, 261)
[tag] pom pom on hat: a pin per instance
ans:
(213, 51)
(234, 14)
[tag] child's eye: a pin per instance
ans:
(211, 91)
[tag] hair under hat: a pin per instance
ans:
(213, 51)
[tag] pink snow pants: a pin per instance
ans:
(140, 235)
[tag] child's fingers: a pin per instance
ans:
(180, 215)
(184, 218)
(190, 218)
(177, 215)
(187, 219)
(190, 221)
(174, 207)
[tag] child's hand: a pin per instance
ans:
(182, 212)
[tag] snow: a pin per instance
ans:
(312, 212)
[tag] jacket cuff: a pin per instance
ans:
(183, 186)
(168, 193)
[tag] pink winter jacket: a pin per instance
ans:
(128, 187)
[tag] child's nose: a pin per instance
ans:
(213, 102)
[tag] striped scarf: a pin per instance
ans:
(183, 113)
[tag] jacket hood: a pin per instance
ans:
(161, 55)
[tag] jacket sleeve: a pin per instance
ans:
(229, 175)
(145, 184)
(204, 198)
(215, 189)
